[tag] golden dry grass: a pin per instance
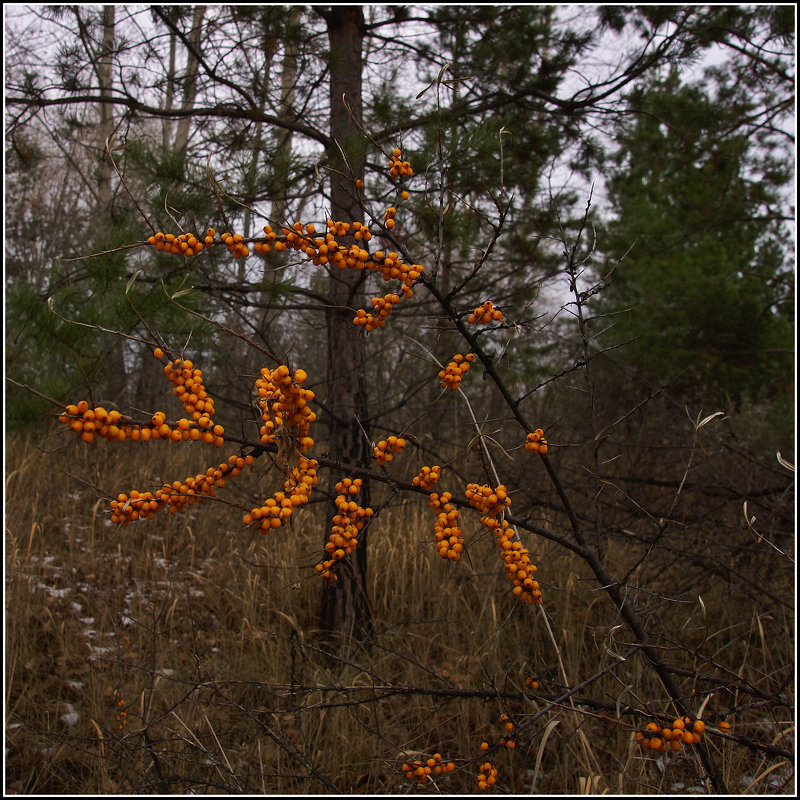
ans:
(207, 631)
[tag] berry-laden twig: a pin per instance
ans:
(682, 732)
(447, 533)
(453, 373)
(386, 449)
(343, 539)
(485, 314)
(421, 771)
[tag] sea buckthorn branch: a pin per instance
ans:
(122, 715)
(515, 557)
(485, 314)
(513, 405)
(590, 556)
(487, 776)
(493, 503)
(535, 442)
(682, 732)
(428, 477)
(278, 509)
(447, 532)
(256, 448)
(284, 406)
(451, 375)
(177, 495)
(346, 526)
(420, 771)
(386, 449)
(286, 416)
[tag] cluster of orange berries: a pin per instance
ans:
(488, 501)
(487, 776)
(187, 381)
(485, 313)
(93, 422)
(535, 442)
(235, 244)
(186, 244)
(398, 167)
(346, 526)
(516, 558)
(508, 726)
(277, 509)
(428, 477)
(390, 267)
(284, 405)
(452, 374)
(122, 715)
(420, 771)
(383, 306)
(682, 732)
(183, 430)
(328, 250)
(388, 217)
(144, 505)
(532, 684)
(386, 448)
(447, 533)
(265, 247)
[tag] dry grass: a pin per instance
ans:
(208, 633)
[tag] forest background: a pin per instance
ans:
(618, 182)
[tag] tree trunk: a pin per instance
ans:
(190, 80)
(106, 126)
(116, 385)
(272, 335)
(345, 612)
(166, 129)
